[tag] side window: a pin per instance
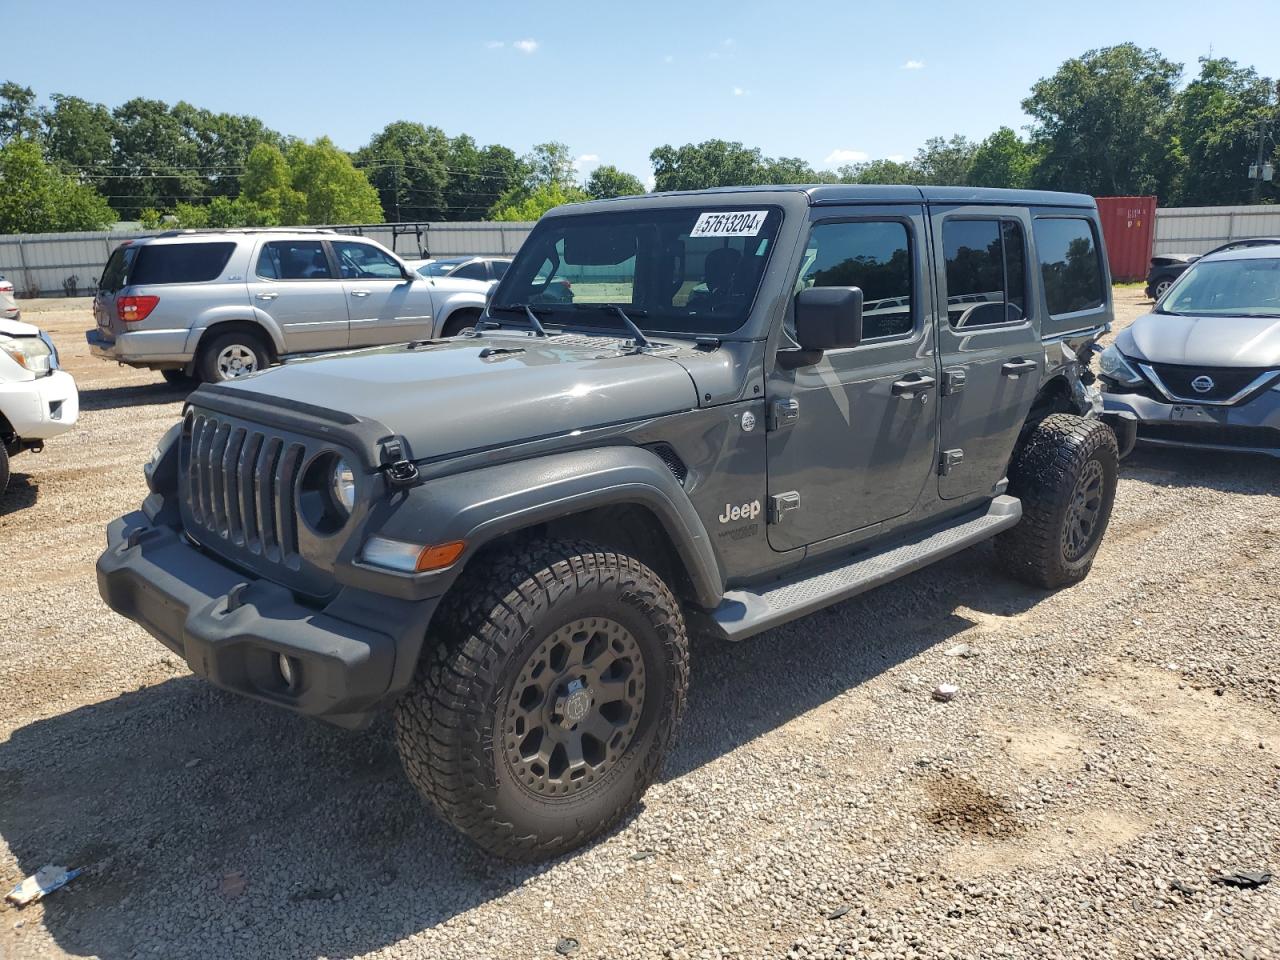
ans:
(293, 260)
(1069, 263)
(360, 261)
(475, 270)
(986, 272)
(499, 268)
(874, 255)
(180, 262)
(116, 271)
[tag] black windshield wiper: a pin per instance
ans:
(640, 339)
(527, 310)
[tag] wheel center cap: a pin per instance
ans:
(575, 704)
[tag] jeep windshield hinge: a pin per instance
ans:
(783, 413)
(400, 470)
(953, 381)
(949, 460)
(780, 504)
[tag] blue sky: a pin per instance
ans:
(826, 81)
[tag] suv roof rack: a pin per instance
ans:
(193, 231)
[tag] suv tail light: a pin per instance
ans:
(6, 286)
(133, 309)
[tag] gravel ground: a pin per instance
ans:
(1112, 749)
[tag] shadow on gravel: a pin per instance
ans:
(22, 492)
(1249, 474)
(110, 398)
(171, 794)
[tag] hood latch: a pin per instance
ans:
(400, 470)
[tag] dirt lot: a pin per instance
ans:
(1113, 748)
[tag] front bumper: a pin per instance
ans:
(1252, 427)
(41, 408)
(348, 658)
(141, 348)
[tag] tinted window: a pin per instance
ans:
(875, 256)
(293, 260)
(364, 262)
(438, 268)
(117, 268)
(475, 270)
(499, 268)
(1069, 264)
(986, 272)
(180, 262)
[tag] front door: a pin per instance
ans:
(384, 306)
(988, 342)
(853, 436)
(293, 283)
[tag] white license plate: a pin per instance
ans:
(1187, 412)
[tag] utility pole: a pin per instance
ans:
(1258, 170)
(396, 192)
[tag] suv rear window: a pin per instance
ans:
(180, 262)
(117, 268)
(1069, 264)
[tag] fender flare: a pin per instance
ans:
(453, 302)
(478, 506)
(236, 314)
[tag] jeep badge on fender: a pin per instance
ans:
(501, 536)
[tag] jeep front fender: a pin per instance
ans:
(478, 506)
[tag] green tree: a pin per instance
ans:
(550, 164)
(538, 201)
(36, 197)
(712, 163)
(478, 178)
(335, 191)
(881, 171)
(155, 161)
(79, 135)
(1215, 128)
(1003, 160)
(267, 191)
(608, 181)
(944, 162)
(19, 119)
(407, 163)
(1101, 122)
(223, 142)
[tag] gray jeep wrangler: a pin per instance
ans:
(712, 412)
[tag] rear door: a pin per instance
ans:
(858, 445)
(294, 283)
(988, 341)
(114, 276)
(384, 307)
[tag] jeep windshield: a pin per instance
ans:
(1247, 287)
(675, 270)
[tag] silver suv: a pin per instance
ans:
(218, 305)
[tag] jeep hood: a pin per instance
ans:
(453, 396)
(1203, 341)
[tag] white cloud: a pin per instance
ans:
(739, 92)
(650, 182)
(495, 44)
(839, 157)
(586, 162)
(913, 65)
(668, 58)
(526, 46)
(897, 157)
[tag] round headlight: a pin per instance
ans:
(342, 483)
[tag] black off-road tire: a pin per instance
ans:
(459, 321)
(1052, 473)
(454, 728)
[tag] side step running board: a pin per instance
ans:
(744, 613)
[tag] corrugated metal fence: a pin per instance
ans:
(69, 264)
(1200, 229)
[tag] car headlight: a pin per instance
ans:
(31, 353)
(1113, 365)
(342, 484)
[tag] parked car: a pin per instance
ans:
(744, 408)
(223, 304)
(466, 268)
(1168, 267)
(1203, 368)
(38, 400)
(8, 302)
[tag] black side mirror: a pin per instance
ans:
(828, 318)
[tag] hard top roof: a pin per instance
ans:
(1262, 251)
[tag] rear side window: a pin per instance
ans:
(180, 262)
(986, 272)
(293, 260)
(1069, 263)
(499, 268)
(476, 270)
(872, 255)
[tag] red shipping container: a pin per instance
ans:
(1129, 229)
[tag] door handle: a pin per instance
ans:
(266, 296)
(907, 389)
(1016, 368)
(361, 293)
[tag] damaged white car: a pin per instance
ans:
(37, 399)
